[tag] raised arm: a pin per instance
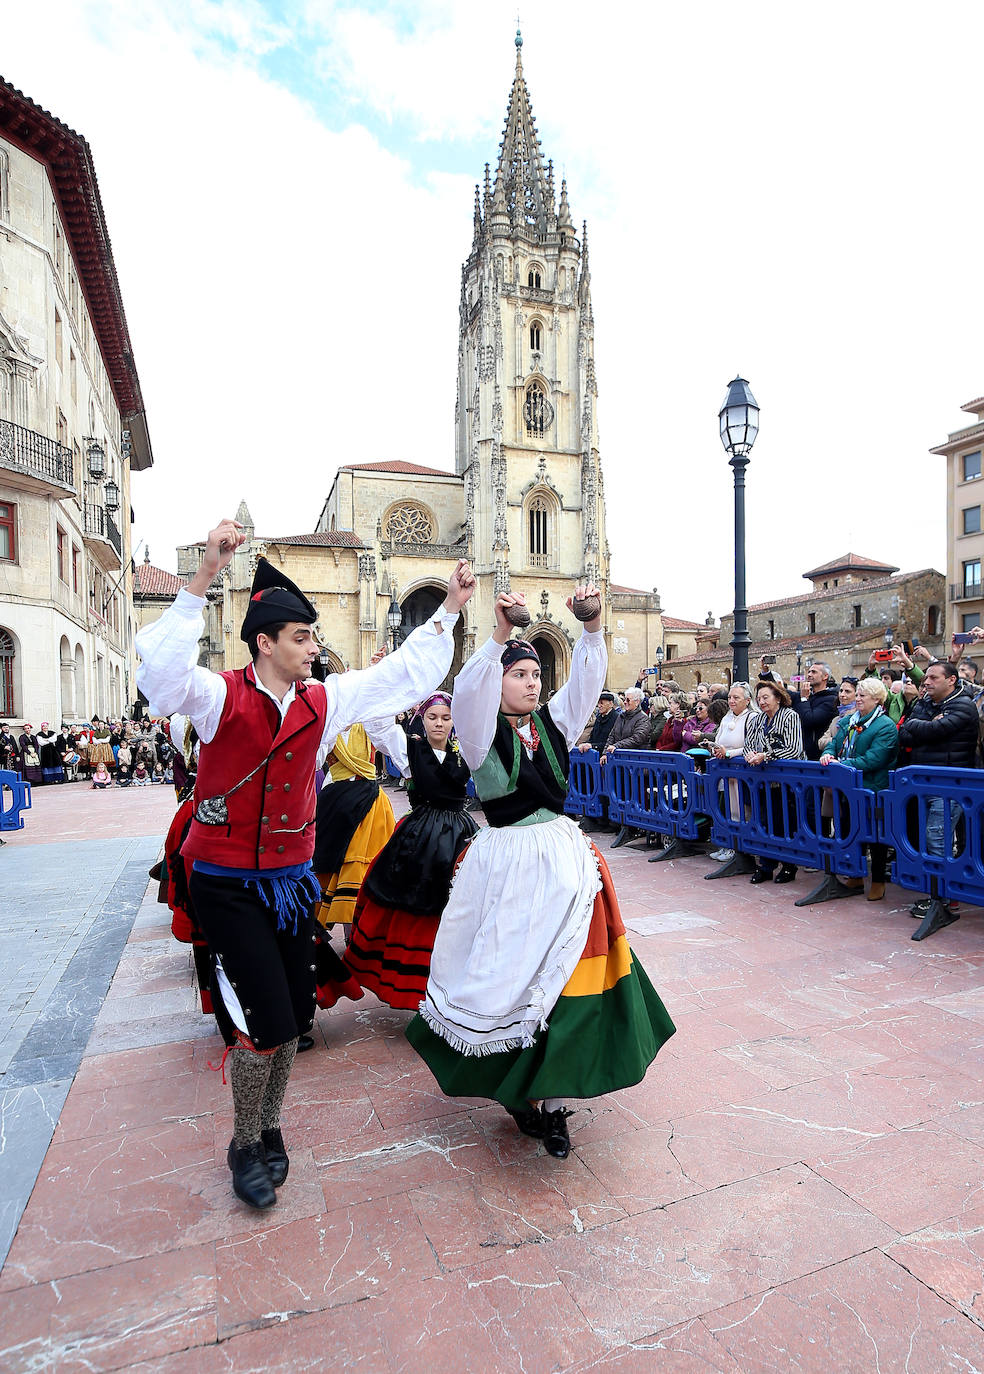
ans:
(169, 675)
(572, 704)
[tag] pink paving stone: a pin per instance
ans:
(910, 1178)
(318, 1262)
(907, 1091)
(356, 1170)
(128, 1107)
(653, 1271)
(112, 1317)
(863, 1314)
(949, 1258)
(911, 1028)
(783, 1060)
(966, 1118)
(801, 1123)
(641, 1171)
(684, 1080)
(685, 1349)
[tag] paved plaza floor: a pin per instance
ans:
(796, 1185)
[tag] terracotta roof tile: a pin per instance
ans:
(848, 589)
(151, 581)
(398, 465)
(618, 590)
(851, 560)
(671, 623)
(326, 539)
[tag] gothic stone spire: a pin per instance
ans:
(521, 178)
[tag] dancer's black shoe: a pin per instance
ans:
(530, 1122)
(555, 1138)
(251, 1181)
(305, 1042)
(276, 1155)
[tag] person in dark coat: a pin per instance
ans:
(942, 730)
(596, 736)
(630, 731)
(816, 707)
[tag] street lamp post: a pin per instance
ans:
(738, 418)
(799, 666)
(660, 655)
(394, 618)
(889, 638)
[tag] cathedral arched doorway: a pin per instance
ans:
(549, 673)
(417, 609)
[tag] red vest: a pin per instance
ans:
(271, 819)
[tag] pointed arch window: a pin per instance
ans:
(534, 280)
(6, 674)
(541, 530)
(536, 337)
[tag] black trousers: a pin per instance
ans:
(271, 971)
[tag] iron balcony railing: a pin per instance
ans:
(99, 523)
(966, 591)
(24, 450)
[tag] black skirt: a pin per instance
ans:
(413, 872)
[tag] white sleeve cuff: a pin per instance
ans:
(446, 619)
(188, 604)
(492, 649)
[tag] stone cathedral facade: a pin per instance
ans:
(525, 500)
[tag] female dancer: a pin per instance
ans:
(533, 992)
(406, 889)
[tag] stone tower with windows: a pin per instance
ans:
(526, 430)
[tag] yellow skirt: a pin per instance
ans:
(341, 889)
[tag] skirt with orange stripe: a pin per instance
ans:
(340, 889)
(605, 1029)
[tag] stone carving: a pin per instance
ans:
(367, 567)
(410, 523)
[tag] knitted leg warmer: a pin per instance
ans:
(249, 1075)
(281, 1063)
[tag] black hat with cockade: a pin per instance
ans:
(274, 600)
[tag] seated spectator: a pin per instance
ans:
(124, 765)
(942, 730)
(775, 733)
(100, 777)
(141, 774)
(868, 739)
(158, 773)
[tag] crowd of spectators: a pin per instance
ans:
(103, 753)
(910, 709)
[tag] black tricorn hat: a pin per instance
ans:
(274, 600)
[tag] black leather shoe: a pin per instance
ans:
(785, 875)
(555, 1138)
(305, 1042)
(760, 876)
(276, 1155)
(530, 1122)
(251, 1181)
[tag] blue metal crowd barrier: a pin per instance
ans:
(19, 793)
(957, 873)
(391, 769)
(653, 791)
(776, 811)
(584, 785)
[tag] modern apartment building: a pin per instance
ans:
(964, 532)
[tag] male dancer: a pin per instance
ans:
(263, 730)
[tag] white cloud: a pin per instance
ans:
(771, 189)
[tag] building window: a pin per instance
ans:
(4, 185)
(535, 337)
(811, 623)
(410, 523)
(970, 622)
(538, 516)
(933, 621)
(670, 651)
(971, 519)
(534, 281)
(6, 674)
(857, 617)
(8, 532)
(62, 555)
(58, 338)
(971, 466)
(75, 568)
(772, 629)
(972, 577)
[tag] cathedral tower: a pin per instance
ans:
(526, 432)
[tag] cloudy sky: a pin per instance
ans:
(777, 189)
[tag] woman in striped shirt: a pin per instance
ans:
(775, 733)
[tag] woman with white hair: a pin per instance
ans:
(868, 739)
(729, 743)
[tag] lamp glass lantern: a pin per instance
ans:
(394, 617)
(739, 419)
(97, 461)
(889, 637)
(112, 496)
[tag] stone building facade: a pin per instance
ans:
(854, 601)
(525, 502)
(72, 428)
(963, 452)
